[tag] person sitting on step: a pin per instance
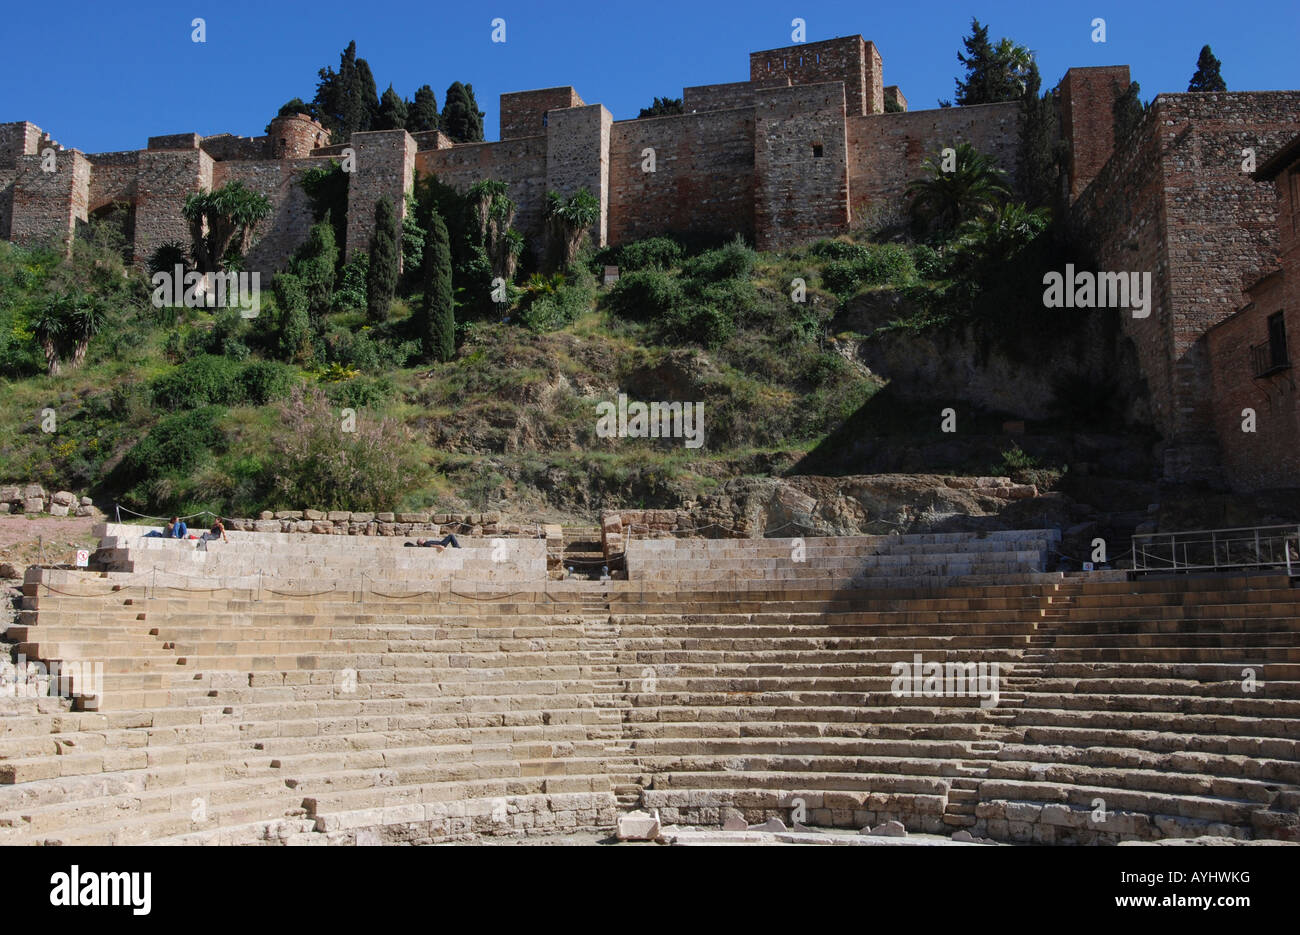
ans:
(218, 531)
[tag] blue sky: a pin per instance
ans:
(102, 76)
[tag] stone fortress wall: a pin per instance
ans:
(804, 149)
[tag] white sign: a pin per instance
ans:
(83, 558)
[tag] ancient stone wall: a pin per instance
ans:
(47, 205)
(886, 150)
(849, 59)
(291, 137)
(175, 141)
(1269, 457)
(18, 139)
(1087, 119)
(520, 163)
(800, 164)
(703, 179)
(577, 156)
(285, 229)
(1177, 203)
(164, 181)
(728, 96)
(385, 166)
(523, 113)
(226, 146)
(113, 178)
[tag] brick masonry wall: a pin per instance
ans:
(7, 177)
(1270, 456)
(799, 196)
(520, 163)
(18, 139)
(577, 156)
(1087, 96)
(523, 112)
(886, 150)
(728, 96)
(703, 178)
(113, 178)
(1177, 203)
(293, 137)
(277, 237)
(227, 146)
(385, 166)
(848, 59)
(175, 141)
(47, 205)
(165, 180)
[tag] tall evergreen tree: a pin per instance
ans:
(1207, 77)
(381, 279)
(461, 118)
(346, 101)
(437, 320)
(663, 107)
(993, 73)
(423, 113)
(314, 264)
(392, 112)
(1042, 152)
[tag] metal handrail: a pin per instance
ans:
(1213, 549)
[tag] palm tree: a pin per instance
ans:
(86, 319)
(568, 220)
(49, 329)
(999, 235)
(941, 201)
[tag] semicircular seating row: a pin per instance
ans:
(301, 689)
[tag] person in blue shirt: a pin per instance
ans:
(177, 529)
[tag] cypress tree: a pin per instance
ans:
(314, 264)
(423, 113)
(392, 112)
(381, 280)
(461, 118)
(437, 321)
(1207, 77)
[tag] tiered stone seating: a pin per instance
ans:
(930, 559)
(337, 689)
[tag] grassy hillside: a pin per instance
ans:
(183, 410)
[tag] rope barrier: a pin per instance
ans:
(119, 508)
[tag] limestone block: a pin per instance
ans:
(312, 514)
(362, 517)
(266, 525)
(386, 517)
(64, 498)
(412, 517)
(58, 509)
(5, 506)
(33, 490)
(266, 514)
(85, 501)
(638, 826)
(289, 514)
(81, 510)
(553, 531)
(339, 516)
(33, 505)
(772, 824)
(10, 494)
(304, 525)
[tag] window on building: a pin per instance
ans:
(544, 116)
(818, 151)
(1277, 340)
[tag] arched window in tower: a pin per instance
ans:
(818, 150)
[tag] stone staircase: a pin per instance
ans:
(332, 689)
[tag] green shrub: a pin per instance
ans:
(734, 261)
(738, 298)
(360, 392)
(868, 266)
(705, 325)
(645, 295)
(203, 381)
(653, 252)
(929, 262)
(263, 381)
(176, 445)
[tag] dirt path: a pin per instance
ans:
(24, 539)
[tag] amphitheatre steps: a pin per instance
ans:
(397, 708)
